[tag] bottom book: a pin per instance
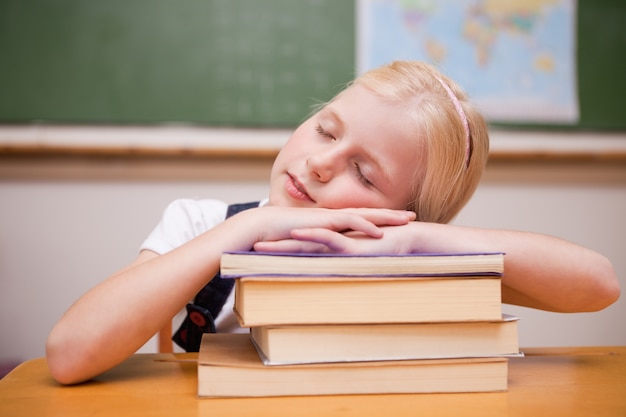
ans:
(229, 366)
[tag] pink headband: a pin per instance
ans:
(459, 110)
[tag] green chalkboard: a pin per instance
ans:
(220, 62)
(602, 63)
(227, 62)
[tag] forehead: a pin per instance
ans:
(372, 117)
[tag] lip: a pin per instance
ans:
(296, 190)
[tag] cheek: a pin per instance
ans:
(284, 158)
(294, 149)
(349, 193)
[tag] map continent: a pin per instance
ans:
(516, 59)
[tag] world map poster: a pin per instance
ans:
(516, 59)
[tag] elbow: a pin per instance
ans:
(63, 361)
(74, 356)
(606, 287)
(610, 293)
(603, 298)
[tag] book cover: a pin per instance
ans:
(248, 264)
(228, 366)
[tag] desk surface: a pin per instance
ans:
(547, 382)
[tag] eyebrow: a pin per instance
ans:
(329, 112)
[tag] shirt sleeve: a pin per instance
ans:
(182, 221)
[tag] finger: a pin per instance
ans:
(335, 242)
(290, 246)
(343, 222)
(385, 217)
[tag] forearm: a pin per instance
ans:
(552, 274)
(115, 318)
(540, 271)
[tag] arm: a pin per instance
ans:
(540, 271)
(115, 318)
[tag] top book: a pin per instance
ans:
(259, 264)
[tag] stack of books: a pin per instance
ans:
(354, 324)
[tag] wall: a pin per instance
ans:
(68, 223)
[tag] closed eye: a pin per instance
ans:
(323, 132)
(362, 177)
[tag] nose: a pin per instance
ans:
(322, 166)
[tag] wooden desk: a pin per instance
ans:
(547, 382)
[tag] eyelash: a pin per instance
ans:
(324, 133)
(362, 177)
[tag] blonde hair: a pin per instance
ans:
(447, 178)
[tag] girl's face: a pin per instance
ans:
(358, 151)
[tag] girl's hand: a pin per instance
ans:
(394, 240)
(275, 224)
(403, 238)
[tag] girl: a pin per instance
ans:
(400, 144)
